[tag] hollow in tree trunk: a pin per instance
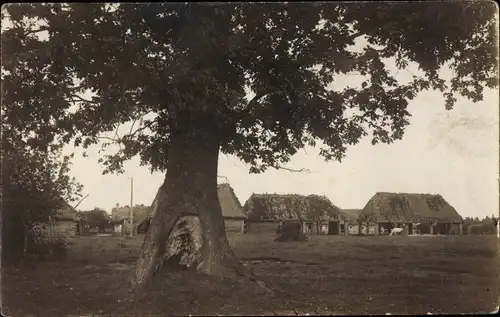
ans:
(187, 211)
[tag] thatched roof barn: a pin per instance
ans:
(283, 207)
(404, 207)
(231, 206)
(123, 213)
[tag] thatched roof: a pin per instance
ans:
(351, 215)
(117, 221)
(67, 213)
(123, 213)
(392, 207)
(231, 206)
(274, 206)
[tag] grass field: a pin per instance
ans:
(326, 275)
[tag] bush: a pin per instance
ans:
(59, 246)
(290, 231)
(480, 229)
(47, 249)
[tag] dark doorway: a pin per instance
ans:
(333, 227)
(443, 228)
(387, 227)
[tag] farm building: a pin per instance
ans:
(416, 213)
(355, 226)
(317, 214)
(121, 215)
(67, 222)
(234, 218)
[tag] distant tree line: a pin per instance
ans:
(475, 225)
(98, 220)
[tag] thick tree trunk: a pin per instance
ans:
(188, 205)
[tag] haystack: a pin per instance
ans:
(290, 231)
(408, 208)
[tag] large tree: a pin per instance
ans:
(182, 72)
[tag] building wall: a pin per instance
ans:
(324, 228)
(372, 229)
(364, 229)
(454, 229)
(353, 228)
(234, 225)
(262, 227)
(64, 228)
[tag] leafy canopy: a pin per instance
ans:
(35, 184)
(173, 65)
(97, 217)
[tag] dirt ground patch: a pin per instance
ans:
(326, 275)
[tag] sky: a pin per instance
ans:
(452, 153)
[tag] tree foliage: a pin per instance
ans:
(35, 186)
(97, 217)
(174, 65)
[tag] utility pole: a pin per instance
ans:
(131, 206)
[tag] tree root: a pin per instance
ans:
(234, 269)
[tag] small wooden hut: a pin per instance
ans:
(317, 213)
(68, 223)
(416, 213)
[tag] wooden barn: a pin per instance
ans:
(232, 211)
(415, 213)
(67, 223)
(316, 213)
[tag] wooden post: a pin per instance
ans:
(432, 228)
(131, 206)
(460, 228)
(243, 226)
(338, 227)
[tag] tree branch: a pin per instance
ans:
(108, 138)
(255, 99)
(82, 99)
(81, 201)
(355, 35)
(292, 170)
(26, 33)
(220, 176)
